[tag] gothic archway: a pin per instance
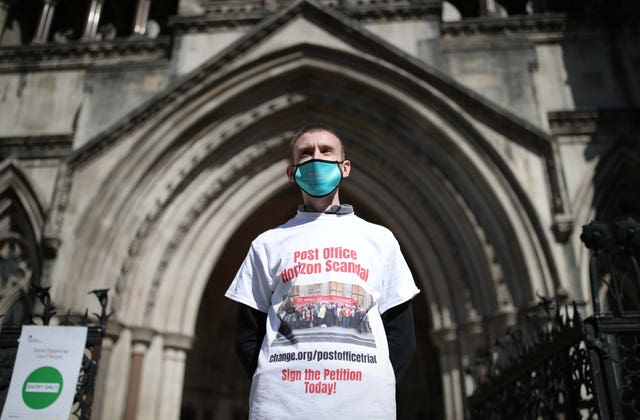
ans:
(443, 186)
(205, 161)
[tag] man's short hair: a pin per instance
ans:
(312, 128)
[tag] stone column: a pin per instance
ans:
(44, 22)
(452, 372)
(108, 342)
(140, 339)
(141, 18)
(93, 19)
(472, 342)
(112, 399)
(190, 8)
(4, 11)
(488, 8)
(175, 356)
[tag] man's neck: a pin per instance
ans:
(321, 204)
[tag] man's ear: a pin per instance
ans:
(346, 168)
(291, 170)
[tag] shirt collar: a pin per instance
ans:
(335, 209)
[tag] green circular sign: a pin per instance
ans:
(42, 387)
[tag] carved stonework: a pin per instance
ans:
(21, 220)
(231, 14)
(18, 262)
(241, 161)
(81, 54)
(14, 265)
(57, 212)
(592, 122)
(547, 25)
(35, 147)
(536, 24)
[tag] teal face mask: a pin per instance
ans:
(317, 177)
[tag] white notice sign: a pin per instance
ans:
(45, 374)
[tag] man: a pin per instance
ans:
(325, 255)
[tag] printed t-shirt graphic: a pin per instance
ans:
(325, 312)
(324, 280)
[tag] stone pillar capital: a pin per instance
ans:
(445, 338)
(142, 335)
(178, 341)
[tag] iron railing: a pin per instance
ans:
(83, 398)
(561, 366)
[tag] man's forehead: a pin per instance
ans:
(320, 136)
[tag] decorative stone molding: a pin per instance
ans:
(216, 21)
(211, 71)
(50, 247)
(178, 341)
(541, 27)
(445, 339)
(21, 220)
(142, 335)
(234, 14)
(200, 205)
(14, 260)
(466, 302)
(384, 12)
(36, 147)
(57, 211)
(566, 123)
(562, 227)
(504, 26)
(113, 330)
(83, 54)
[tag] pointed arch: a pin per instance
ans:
(202, 164)
(21, 224)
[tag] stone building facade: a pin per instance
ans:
(143, 145)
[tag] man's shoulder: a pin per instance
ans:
(371, 227)
(276, 232)
(300, 223)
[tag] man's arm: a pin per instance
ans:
(398, 324)
(250, 330)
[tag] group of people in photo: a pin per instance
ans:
(325, 314)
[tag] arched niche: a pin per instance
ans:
(21, 257)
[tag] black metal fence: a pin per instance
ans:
(562, 366)
(83, 398)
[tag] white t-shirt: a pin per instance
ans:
(324, 279)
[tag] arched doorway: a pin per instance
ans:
(212, 159)
(215, 386)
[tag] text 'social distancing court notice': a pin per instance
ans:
(46, 372)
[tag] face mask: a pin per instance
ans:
(318, 178)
